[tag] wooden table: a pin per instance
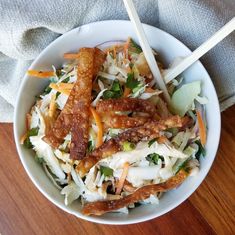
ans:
(210, 210)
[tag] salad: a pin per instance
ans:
(105, 135)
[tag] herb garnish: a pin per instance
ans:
(115, 91)
(106, 171)
(154, 157)
(31, 132)
(151, 142)
(201, 150)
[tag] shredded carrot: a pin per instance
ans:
(126, 45)
(70, 56)
(64, 88)
(23, 138)
(202, 128)
(122, 178)
(127, 91)
(99, 125)
(52, 106)
(41, 74)
(149, 90)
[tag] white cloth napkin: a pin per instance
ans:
(28, 26)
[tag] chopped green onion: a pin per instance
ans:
(106, 171)
(114, 92)
(128, 146)
(154, 157)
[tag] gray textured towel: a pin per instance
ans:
(28, 26)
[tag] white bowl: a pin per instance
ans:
(89, 36)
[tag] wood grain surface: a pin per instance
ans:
(210, 210)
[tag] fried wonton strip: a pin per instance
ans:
(82, 100)
(149, 130)
(62, 126)
(122, 121)
(99, 59)
(101, 207)
(125, 104)
(79, 130)
(88, 67)
(81, 91)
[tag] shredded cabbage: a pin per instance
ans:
(71, 192)
(183, 99)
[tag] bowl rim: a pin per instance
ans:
(78, 214)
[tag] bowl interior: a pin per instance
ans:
(89, 36)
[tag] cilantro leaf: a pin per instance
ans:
(151, 141)
(131, 82)
(31, 132)
(154, 157)
(106, 171)
(201, 150)
(134, 47)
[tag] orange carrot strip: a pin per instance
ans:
(41, 74)
(126, 45)
(127, 91)
(202, 128)
(63, 85)
(97, 118)
(62, 89)
(122, 178)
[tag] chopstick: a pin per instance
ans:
(200, 51)
(146, 48)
